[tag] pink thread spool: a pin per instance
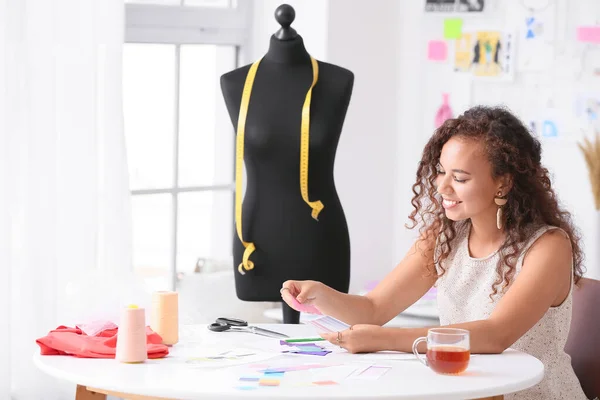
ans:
(131, 336)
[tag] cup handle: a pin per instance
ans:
(414, 348)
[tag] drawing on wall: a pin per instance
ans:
(444, 112)
(549, 128)
(536, 36)
(485, 54)
(454, 5)
(470, 5)
(440, 5)
(548, 123)
(587, 108)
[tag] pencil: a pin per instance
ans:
(304, 340)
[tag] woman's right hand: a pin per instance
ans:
(303, 296)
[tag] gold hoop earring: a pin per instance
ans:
(499, 202)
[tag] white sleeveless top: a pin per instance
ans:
(463, 295)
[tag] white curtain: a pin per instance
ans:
(64, 199)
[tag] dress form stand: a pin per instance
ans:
(288, 241)
(290, 316)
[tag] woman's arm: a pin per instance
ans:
(406, 284)
(544, 281)
(399, 289)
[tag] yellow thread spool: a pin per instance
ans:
(165, 316)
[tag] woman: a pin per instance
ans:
(495, 242)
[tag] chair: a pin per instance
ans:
(583, 343)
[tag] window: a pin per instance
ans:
(180, 142)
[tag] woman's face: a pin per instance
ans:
(465, 180)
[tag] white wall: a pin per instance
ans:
(395, 96)
(310, 23)
(410, 138)
(363, 37)
(421, 83)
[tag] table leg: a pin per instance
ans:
(82, 393)
(89, 393)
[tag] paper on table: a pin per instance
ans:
(372, 372)
(304, 348)
(301, 367)
(335, 349)
(328, 324)
(215, 358)
(336, 373)
(388, 356)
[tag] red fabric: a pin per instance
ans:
(72, 341)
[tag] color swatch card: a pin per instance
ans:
(305, 308)
(327, 324)
(304, 348)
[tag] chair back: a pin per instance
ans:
(583, 343)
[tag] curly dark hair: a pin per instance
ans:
(511, 149)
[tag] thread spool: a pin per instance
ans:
(165, 316)
(131, 336)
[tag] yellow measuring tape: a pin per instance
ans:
(316, 206)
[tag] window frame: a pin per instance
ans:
(180, 25)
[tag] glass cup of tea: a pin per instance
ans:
(448, 350)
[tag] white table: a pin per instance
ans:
(411, 318)
(487, 375)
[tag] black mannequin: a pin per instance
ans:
(290, 244)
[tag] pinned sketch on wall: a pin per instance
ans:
(440, 5)
(470, 5)
(485, 54)
(547, 125)
(549, 128)
(536, 39)
(593, 65)
(448, 6)
(444, 112)
(587, 109)
(588, 64)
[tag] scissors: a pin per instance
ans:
(238, 325)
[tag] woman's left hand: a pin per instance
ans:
(359, 338)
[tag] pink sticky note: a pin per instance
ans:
(590, 34)
(307, 308)
(437, 50)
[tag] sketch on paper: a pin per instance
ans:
(485, 54)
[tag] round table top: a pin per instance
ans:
(404, 320)
(186, 374)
